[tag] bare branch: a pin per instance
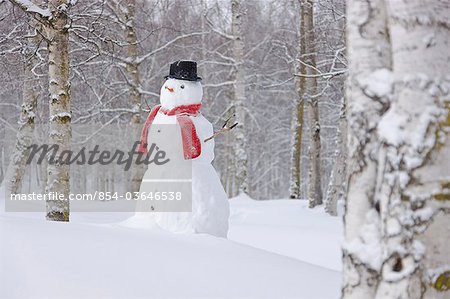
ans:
(211, 25)
(225, 128)
(144, 57)
(322, 75)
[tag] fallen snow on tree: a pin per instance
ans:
(378, 83)
(31, 7)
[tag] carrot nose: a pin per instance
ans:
(170, 89)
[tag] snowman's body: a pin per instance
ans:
(210, 209)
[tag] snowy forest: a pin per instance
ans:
(330, 135)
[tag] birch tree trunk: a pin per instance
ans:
(60, 114)
(308, 58)
(397, 231)
(134, 83)
(239, 140)
(368, 54)
(204, 41)
(415, 158)
(30, 94)
(337, 186)
(297, 117)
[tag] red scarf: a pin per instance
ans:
(191, 143)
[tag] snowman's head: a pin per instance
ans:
(175, 92)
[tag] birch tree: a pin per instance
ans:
(397, 223)
(337, 186)
(57, 32)
(240, 172)
(307, 90)
(368, 51)
(134, 80)
(314, 183)
(56, 25)
(320, 62)
(30, 94)
(297, 115)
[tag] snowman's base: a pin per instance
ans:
(175, 222)
(140, 220)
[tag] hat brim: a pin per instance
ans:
(182, 78)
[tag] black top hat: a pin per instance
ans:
(184, 70)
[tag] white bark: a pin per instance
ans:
(60, 114)
(298, 117)
(309, 92)
(337, 186)
(204, 41)
(17, 165)
(239, 143)
(397, 228)
(415, 156)
(368, 51)
(134, 82)
(315, 182)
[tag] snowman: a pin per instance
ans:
(180, 102)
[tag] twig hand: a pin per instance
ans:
(225, 128)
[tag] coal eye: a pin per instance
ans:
(182, 86)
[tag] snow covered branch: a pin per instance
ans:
(322, 75)
(183, 36)
(29, 7)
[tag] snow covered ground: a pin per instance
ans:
(290, 228)
(276, 249)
